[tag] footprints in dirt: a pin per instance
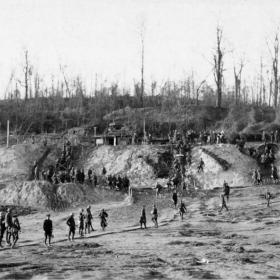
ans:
(55, 261)
(189, 243)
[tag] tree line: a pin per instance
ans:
(33, 107)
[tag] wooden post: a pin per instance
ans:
(8, 133)
(144, 132)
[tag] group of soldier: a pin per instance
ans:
(212, 137)
(204, 136)
(84, 225)
(10, 225)
(118, 183)
(63, 171)
(272, 136)
(258, 178)
(143, 219)
(266, 159)
(9, 228)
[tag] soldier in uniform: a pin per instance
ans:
(72, 227)
(143, 219)
(48, 229)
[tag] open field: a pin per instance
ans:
(240, 244)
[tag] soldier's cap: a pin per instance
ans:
(48, 215)
(15, 215)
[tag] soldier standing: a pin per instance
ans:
(72, 227)
(2, 227)
(143, 219)
(155, 216)
(8, 225)
(182, 209)
(88, 226)
(48, 228)
(82, 222)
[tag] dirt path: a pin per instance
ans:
(243, 243)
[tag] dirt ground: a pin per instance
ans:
(242, 243)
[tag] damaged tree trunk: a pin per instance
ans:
(218, 67)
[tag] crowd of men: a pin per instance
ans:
(272, 136)
(182, 147)
(212, 137)
(258, 178)
(84, 225)
(265, 157)
(118, 183)
(63, 171)
(10, 226)
(204, 136)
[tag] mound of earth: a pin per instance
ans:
(30, 193)
(43, 195)
(16, 160)
(238, 174)
(75, 194)
(142, 164)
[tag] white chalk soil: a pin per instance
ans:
(213, 176)
(15, 161)
(129, 160)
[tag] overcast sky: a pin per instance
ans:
(103, 37)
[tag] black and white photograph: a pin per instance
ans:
(139, 139)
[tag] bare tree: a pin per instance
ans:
(269, 80)
(198, 90)
(274, 57)
(262, 86)
(27, 73)
(275, 69)
(237, 81)
(219, 66)
(36, 85)
(153, 87)
(8, 86)
(65, 80)
(142, 68)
